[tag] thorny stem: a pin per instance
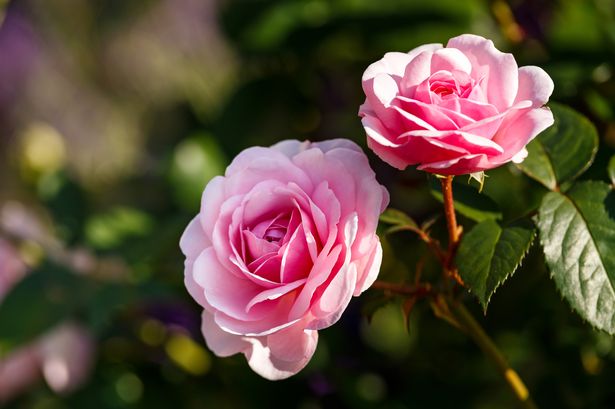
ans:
(459, 316)
(476, 332)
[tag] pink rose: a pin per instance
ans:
(460, 109)
(283, 241)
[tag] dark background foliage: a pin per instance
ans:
(114, 114)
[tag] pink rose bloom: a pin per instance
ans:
(455, 110)
(283, 241)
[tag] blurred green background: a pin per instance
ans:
(113, 116)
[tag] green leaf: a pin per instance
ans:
(399, 220)
(489, 254)
(38, 302)
(577, 233)
(562, 152)
(469, 202)
(611, 169)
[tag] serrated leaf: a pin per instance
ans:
(489, 254)
(611, 169)
(577, 233)
(469, 202)
(38, 302)
(563, 151)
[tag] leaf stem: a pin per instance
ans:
(476, 332)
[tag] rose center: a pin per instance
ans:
(275, 234)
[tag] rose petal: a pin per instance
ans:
(370, 269)
(519, 131)
(274, 293)
(450, 59)
(335, 298)
(459, 166)
(534, 85)
(263, 360)
(223, 291)
(502, 80)
(218, 341)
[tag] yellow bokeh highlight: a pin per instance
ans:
(152, 332)
(43, 149)
(188, 355)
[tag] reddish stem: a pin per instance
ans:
(419, 290)
(454, 230)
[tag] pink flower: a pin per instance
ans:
(460, 109)
(283, 241)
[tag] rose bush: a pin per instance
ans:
(455, 110)
(282, 242)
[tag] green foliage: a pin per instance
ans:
(611, 169)
(38, 302)
(489, 254)
(399, 220)
(469, 201)
(562, 152)
(577, 232)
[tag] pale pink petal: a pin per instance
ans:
(273, 316)
(257, 247)
(211, 201)
(267, 365)
(193, 240)
(384, 88)
(296, 261)
(223, 291)
(195, 290)
(502, 78)
(520, 131)
(274, 293)
(450, 59)
(321, 168)
(489, 126)
(370, 269)
(335, 298)
(416, 72)
(520, 157)
(393, 63)
(321, 271)
(338, 143)
(218, 341)
(291, 147)
(293, 344)
(534, 85)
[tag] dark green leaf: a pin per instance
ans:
(611, 169)
(469, 202)
(489, 254)
(39, 301)
(562, 152)
(577, 232)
